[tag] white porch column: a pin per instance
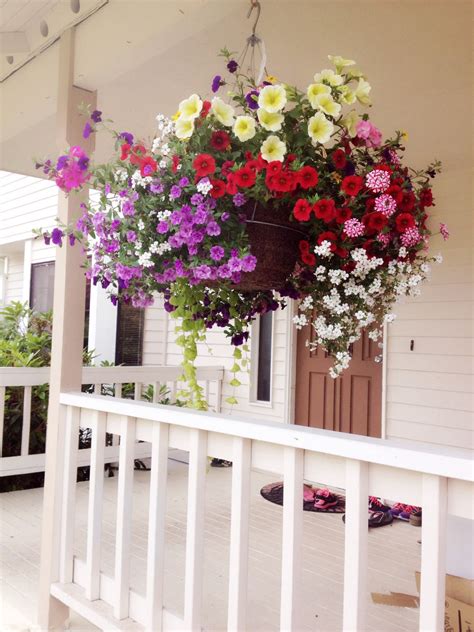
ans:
(68, 331)
(27, 252)
(102, 325)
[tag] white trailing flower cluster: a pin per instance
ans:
(362, 296)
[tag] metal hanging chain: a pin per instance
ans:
(253, 42)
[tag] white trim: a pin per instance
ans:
(27, 262)
(290, 375)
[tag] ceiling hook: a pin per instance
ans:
(254, 4)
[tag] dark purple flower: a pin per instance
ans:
(251, 98)
(232, 66)
(62, 162)
(83, 163)
(105, 284)
(225, 216)
(47, 238)
(217, 83)
(115, 225)
(87, 130)
(239, 199)
(183, 182)
(96, 116)
(113, 299)
(57, 236)
(72, 239)
(127, 137)
(47, 167)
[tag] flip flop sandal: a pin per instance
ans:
(323, 499)
(380, 519)
(308, 494)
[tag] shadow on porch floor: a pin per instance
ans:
(394, 555)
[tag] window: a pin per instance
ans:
(264, 358)
(42, 286)
(129, 345)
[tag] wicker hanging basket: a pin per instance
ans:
(274, 241)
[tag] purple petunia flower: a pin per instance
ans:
(162, 228)
(127, 137)
(213, 228)
(217, 83)
(47, 238)
(224, 272)
(96, 116)
(249, 263)
(83, 163)
(232, 66)
(87, 130)
(72, 240)
(62, 162)
(175, 192)
(225, 216)
(217, 253)
(115, 225)
(113, 299)
(107, 189)
(196, 199)
(251, 98)
(128, 208)
(57, 236)
(156, 187)
(239, 199)
(200, 216)
(183, 182)
(131, 235)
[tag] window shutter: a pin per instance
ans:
(129, 346)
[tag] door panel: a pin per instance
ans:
(350, 403)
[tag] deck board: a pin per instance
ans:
(394, 555)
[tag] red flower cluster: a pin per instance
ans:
(138, 157)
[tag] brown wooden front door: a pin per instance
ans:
(350, 403)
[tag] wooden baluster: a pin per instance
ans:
(356, 546)
(124, 517)
(2, 417)
(118, 390)
(218, 396)
(69, 493)
(195, 529)
(156, 392)
(138, 391)
(433, 553)
(292, 537)
(98, 389)
(173, 392)
(26, 423)
(94, 516)
(156, 528)
(239, 535)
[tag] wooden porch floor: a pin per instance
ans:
(394, 555)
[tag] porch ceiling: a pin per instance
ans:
(144, 56)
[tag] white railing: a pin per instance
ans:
(439, 480)
(110, 378)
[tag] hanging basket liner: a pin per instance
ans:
(274, 240)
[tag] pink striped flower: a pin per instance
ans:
(385, 204)
(353, 227)
(377, 180)
(443, 229)
(411, 237)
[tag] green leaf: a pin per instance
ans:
(232, 401)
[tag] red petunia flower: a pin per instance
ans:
(341, 252)
(307, 177)
(218, 188)
(407, 202)
(290, 158)
(204, 165)
(404, 221)
(396, 192)
(426, 198)
(137, 154)
(375, 222)
(351, 185)
(339, 159)
(206, 106)
(343, 214)
(283, 182)
(370, 205)
(147, 166)
(245, 177)
(226, 167)
(325, 210)
(231, 186)
(220, 141)
(175, 160)
(303, 246)
(302, 210)
(252, 164)
(125, 151)
(274, 167)
(308, 258)
(262, 163)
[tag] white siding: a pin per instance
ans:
(160, 346)
(25, 203)
(430, 389)
(14, 278)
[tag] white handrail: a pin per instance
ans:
(417, 457)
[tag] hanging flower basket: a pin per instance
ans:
(274, 190)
